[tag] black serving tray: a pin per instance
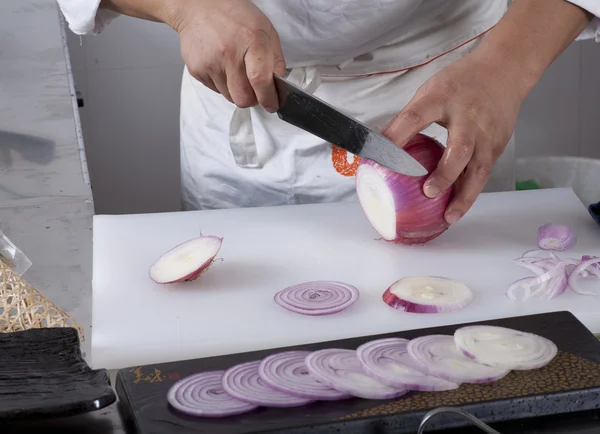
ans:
(569, 384)
(42, 374)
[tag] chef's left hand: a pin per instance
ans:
(475, 99)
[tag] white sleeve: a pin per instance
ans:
(84, 16)
(592, 31)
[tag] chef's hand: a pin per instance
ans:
(231, 47)
(478, 105)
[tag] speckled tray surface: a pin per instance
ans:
(42, 374)
(570, 383)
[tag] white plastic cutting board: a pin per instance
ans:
(231, 309)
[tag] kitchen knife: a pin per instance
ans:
(315, 116)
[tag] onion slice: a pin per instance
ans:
(317, 297)
(287, 373)
(441, 358)
(341, 370)
(388, 361)
(203, 395)
(243, 382)
(576, 274)
(187, 261)
(504, 348)
(428, 294)
(546, 286)
(552, 236)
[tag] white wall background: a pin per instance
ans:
(130, 75)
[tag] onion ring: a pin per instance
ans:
(243, 382)
(388, 361)
(317, 297)
(440, 357)
(341, 370)
(505, 348)
(203, 395)
(287, 373)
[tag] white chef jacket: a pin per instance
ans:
(367, 58)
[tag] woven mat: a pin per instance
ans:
(22, 307)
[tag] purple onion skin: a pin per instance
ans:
(419, 219)
(401, 304)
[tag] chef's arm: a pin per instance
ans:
(152, 10)
(531, 35)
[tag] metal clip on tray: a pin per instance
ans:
(466, 415)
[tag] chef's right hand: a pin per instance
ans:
(231, 47)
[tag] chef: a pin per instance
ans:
(455, 70)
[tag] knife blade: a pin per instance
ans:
(315, 116)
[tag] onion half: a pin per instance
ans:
(388, 361)
(441, 358)
(504, 348)
(428, 294)
(341, 370)
(395, 204)
(203, 395)
(552, 236)
(187, 261)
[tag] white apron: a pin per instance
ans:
(233, 157)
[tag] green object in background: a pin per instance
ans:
(528, 184)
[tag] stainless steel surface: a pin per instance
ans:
(46, 204)
(471, 418)
(315, 116)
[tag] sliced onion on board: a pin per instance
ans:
(545, 286)
(553, 276)
(504, 348)
(203, 395)
(395, 205)
(388, 361)
(428, 294)
(440, 357)
(317, 297)
(341, 370)
(187, 261)
(243, 382)
(576, 276)
(552, 236)
(588, 257)
(287, 372)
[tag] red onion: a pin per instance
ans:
(587, 257)
(287, 373)
(187, 261)
(553, 236)
(428, 294)
(588, 266)
(545, 286)
(203, 395)
(388, 361)
(341, 370)
(244, 383)
(440, 357)
(553, 276)
(395, 204)
(318, 297)
(504, 348)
